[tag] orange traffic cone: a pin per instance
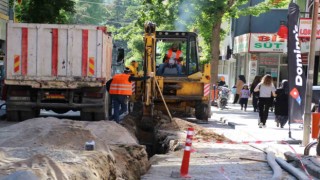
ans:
(186, 155)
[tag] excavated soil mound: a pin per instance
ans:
(52, 148)
(200, 133)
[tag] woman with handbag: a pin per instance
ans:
(255, 95)
(266, 90)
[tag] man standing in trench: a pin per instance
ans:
(120, 88)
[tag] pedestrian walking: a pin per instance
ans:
(244, 96)
(281, 103)
(222, 81)
(266, 91)
(240, 82)
(255, 95)
(120, 89)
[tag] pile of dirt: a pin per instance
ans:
(171, 134)
(200, 133)
(51, 148)
(54, 148)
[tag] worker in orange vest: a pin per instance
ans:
(120, 87)
(172, 58)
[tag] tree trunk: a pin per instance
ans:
(215, 52)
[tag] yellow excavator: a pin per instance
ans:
(187, 91)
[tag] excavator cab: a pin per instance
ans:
(184, 61)
(179, 85)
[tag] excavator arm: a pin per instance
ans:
(149, 69)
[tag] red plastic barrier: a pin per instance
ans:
(186, 155)
(214, 94)
(315, 125)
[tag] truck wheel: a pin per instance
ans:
(103, 112)
(99, 116)
(13, 116)
(37, 112)
(201, 111)
(86, 116)
(24, 115)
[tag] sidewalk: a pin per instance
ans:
(246, 123)
(224, 160)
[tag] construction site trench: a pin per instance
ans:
(55, 148)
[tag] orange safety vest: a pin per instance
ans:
(178, 54)
(121, 85)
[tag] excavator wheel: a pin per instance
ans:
(201, 111)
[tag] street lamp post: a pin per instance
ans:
(307, 108)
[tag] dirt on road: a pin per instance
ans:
(52, 148)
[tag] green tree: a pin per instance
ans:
(206, 16)
(127, 32)
(92, 12)
(44, 11)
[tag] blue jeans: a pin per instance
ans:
(118, 101)
(162, 66)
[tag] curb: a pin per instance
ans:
(232, 124)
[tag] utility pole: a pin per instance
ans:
(307, 109)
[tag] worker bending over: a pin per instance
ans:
(120, 88)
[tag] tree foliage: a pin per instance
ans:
(126, 18)
(206, 17)
(92, 12)
(44, 11)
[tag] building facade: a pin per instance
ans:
(256, 48)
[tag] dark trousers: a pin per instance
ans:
(282, 119)
(118, 101)
(255, 102)
(264, 106)
(236, 98)
(244, 102)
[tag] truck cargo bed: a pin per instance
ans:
(66, 56)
